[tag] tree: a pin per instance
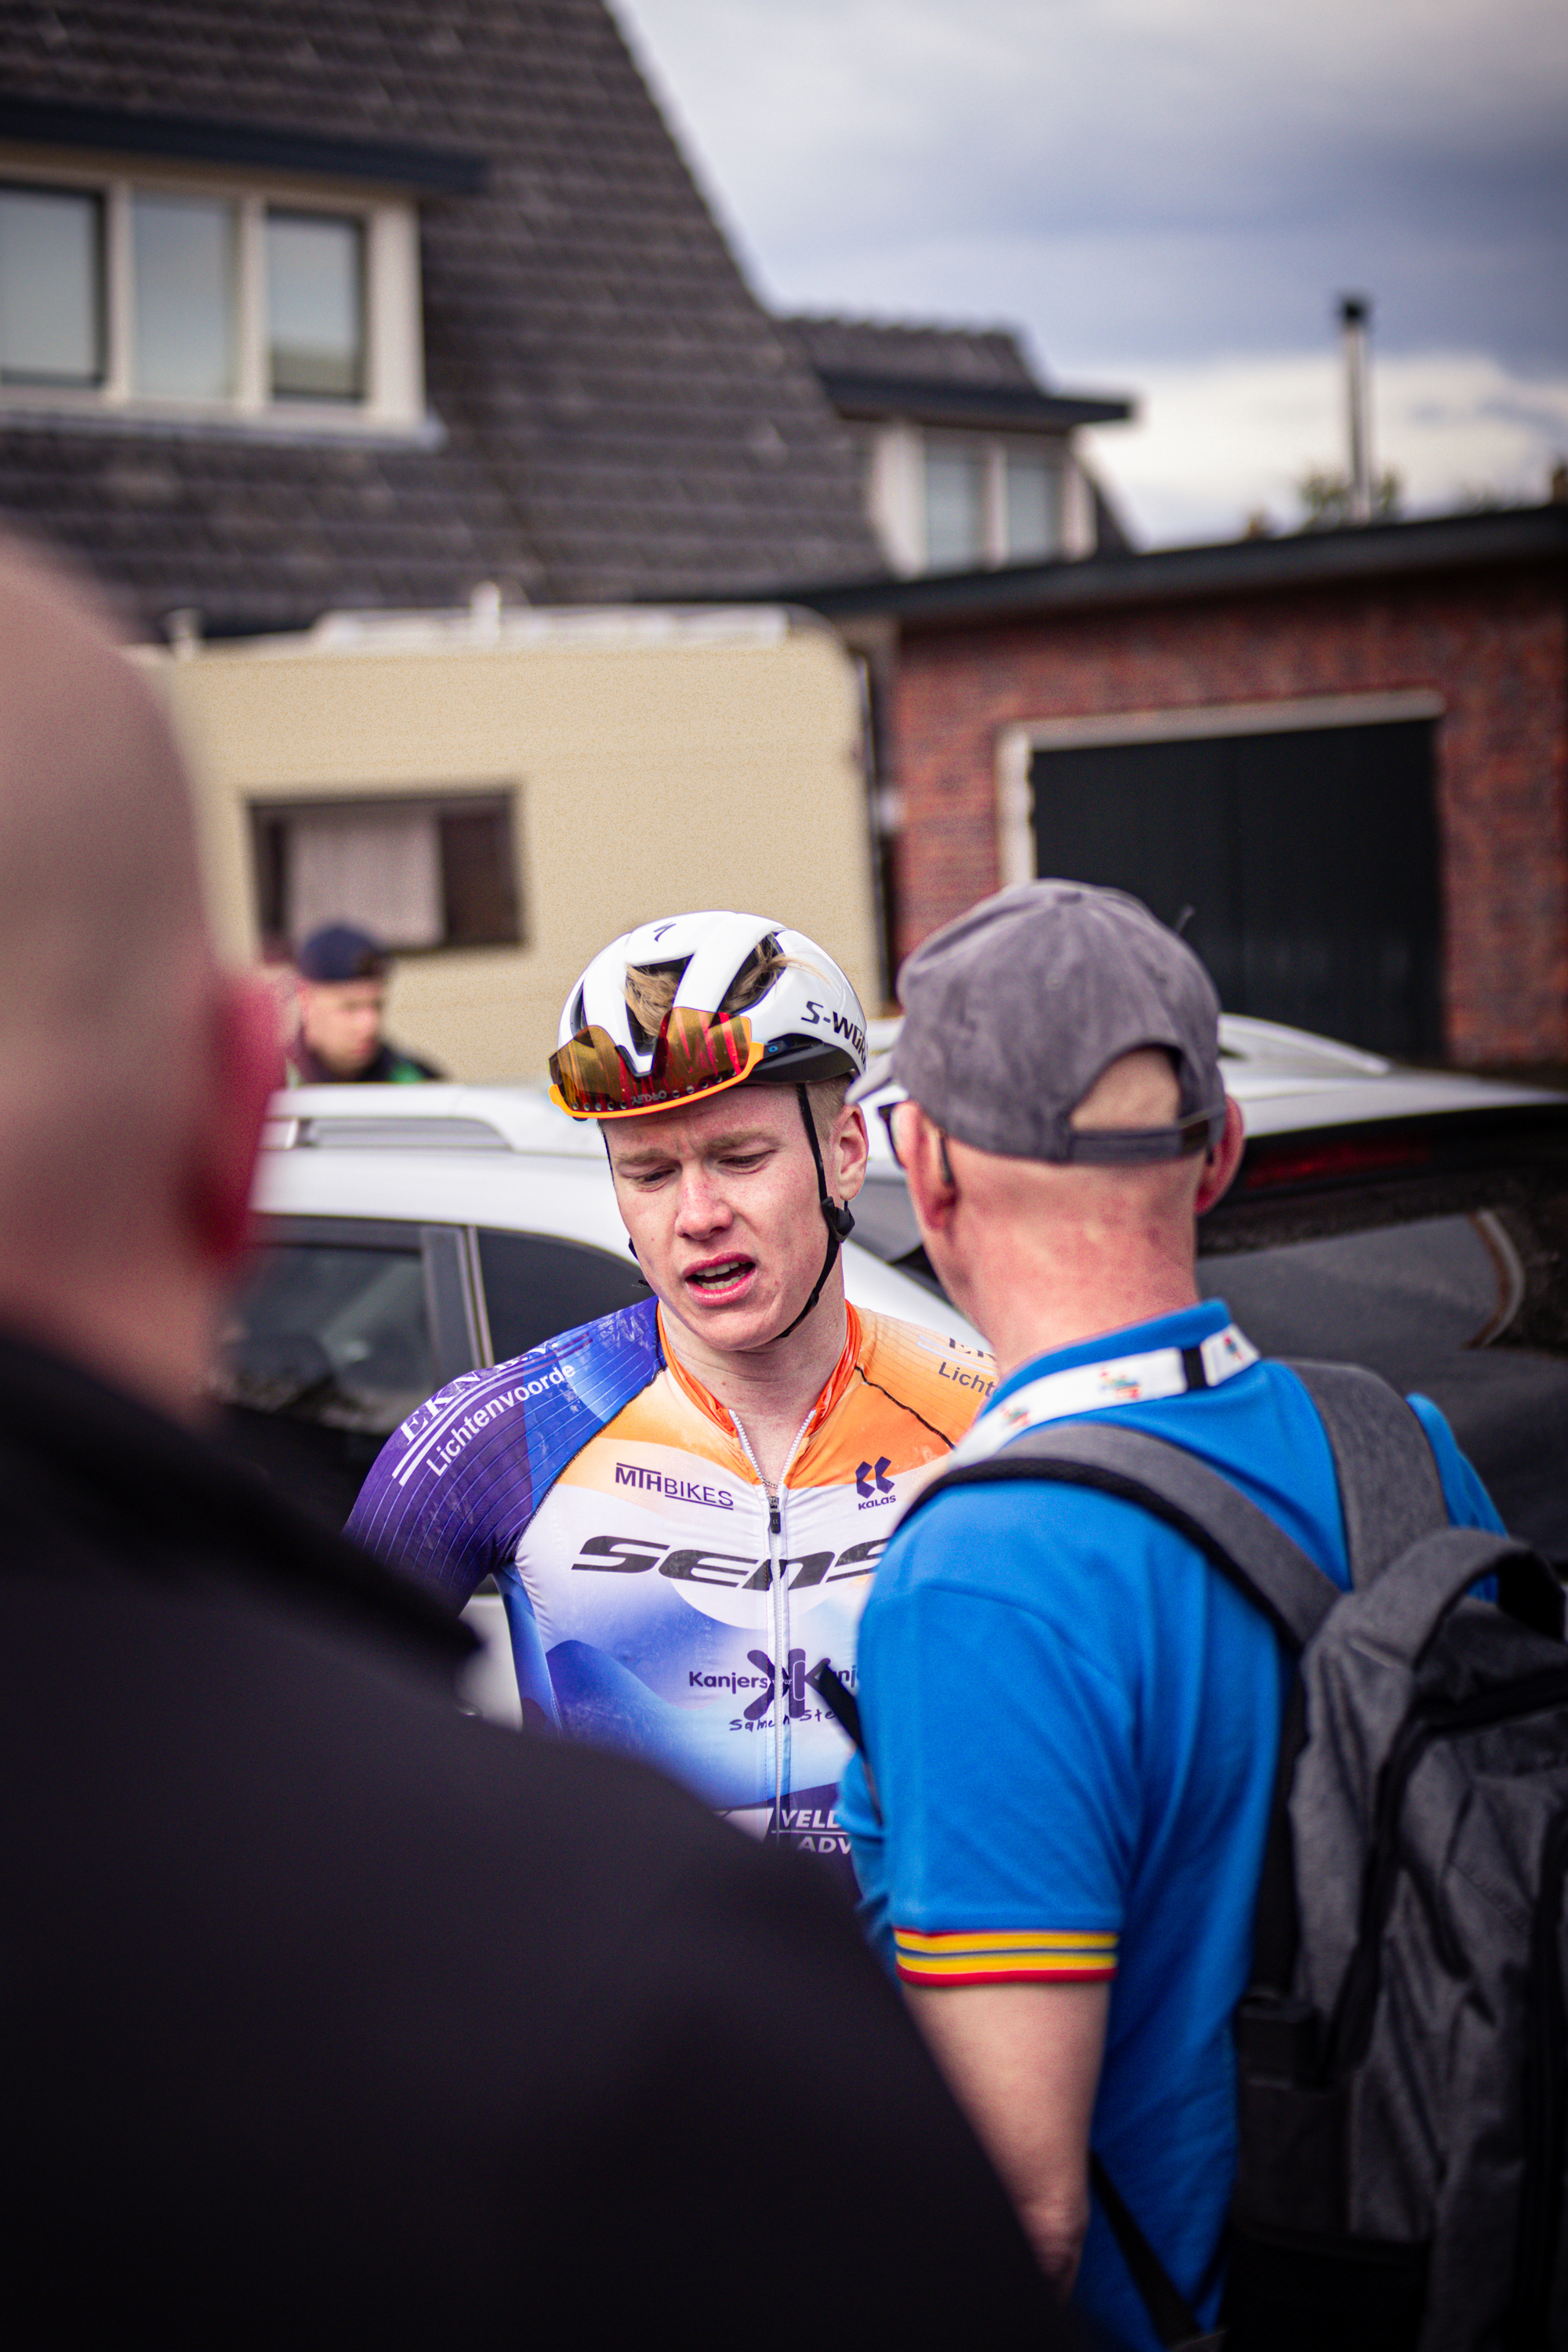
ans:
(1326, 498)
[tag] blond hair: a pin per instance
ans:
(649, 989)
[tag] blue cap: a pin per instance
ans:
(338, 952)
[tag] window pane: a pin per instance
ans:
(535, 1287)
(186, 296)
(337, 1335)
(380, 868)
(955, 508)
(478, 881)
(51, 308)
(1034, 506)
(315, 306)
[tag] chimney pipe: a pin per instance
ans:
(1355, 314)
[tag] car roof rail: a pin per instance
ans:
(433, 1116)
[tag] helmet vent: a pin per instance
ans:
(650, 990)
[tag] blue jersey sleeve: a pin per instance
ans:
(453, 1490)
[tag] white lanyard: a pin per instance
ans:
(1092, 1388)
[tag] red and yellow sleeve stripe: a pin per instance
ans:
(1005, 1956)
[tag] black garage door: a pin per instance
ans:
(1309, 861)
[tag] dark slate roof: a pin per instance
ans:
(971, 376)
(925, 354)
(619, 417)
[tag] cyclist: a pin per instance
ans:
(683, 1503)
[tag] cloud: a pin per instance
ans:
(1217, 441)
(1164, 176)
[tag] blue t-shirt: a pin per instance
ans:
(1072, 1719)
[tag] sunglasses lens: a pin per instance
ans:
(696, 1054)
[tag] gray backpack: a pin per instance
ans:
(1402, 2055)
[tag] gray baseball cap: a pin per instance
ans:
(1012, 1013)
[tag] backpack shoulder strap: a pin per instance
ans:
(1389, 1485)
(1244, 1543)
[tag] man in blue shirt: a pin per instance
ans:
(1070, 1717)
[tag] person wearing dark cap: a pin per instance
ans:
(342, 1001)
(1070, 1718)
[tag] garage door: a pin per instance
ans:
(1309, 860)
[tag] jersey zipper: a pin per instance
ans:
(781, 1652)
(779, 1611)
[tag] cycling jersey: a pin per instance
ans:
(659, 1600)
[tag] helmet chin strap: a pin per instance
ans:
(838, 1219)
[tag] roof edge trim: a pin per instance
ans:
(130, 131)
(927, 401)
(1519, 535)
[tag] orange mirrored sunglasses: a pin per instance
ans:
(696, 1053)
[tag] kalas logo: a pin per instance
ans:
(867, 1472)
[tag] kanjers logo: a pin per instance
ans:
(794, 1684)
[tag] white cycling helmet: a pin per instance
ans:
(806, 1023)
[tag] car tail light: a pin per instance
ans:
(1321, 1160)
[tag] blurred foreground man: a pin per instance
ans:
(329, 2009)
(1071, 1717)
(342, 982)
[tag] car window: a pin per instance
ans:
(334, 1335)
(536, 1285)
(1467, 1305)
(325, 1349)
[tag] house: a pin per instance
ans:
(1344, 751)
(305, 308)
(966, 458)
(494, 794)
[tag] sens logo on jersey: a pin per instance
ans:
(630, 1554)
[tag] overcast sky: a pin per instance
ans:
(1167, 196)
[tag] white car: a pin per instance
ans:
(1414, 1221)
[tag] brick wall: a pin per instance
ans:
(1493, 644)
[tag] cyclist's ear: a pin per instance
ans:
(848, 1151)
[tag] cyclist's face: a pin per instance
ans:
(720, 1199)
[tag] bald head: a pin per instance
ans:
(111, 1005)
(97, 871)
(1042, 1253)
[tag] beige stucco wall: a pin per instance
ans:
(650, 778)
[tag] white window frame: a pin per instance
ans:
(897, 494)
(393, 399)
(1016, 745)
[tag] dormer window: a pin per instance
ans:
(994, 502)
(188, 299)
